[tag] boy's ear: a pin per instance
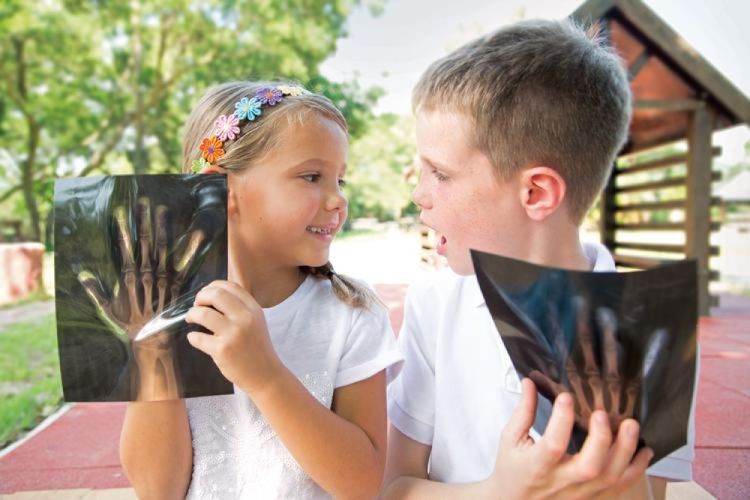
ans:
(543, 192)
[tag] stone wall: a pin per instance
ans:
(20, 270)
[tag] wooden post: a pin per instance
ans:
(698, 206)
(607, 212)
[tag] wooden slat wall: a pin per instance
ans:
(697, 225)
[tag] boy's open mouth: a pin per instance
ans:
(441, 243)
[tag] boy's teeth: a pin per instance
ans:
(319, 230)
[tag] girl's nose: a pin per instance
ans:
(336, 200)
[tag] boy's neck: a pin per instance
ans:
(557, 245)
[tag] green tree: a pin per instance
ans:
(378, 165)
(104, 87)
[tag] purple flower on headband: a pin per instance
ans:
(247, 109)
(269, 96)
(225, 127)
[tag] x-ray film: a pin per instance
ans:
(131, 252)
(622, 342)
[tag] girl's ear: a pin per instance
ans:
(231, 200)
(543, 192)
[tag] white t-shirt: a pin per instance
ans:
(326, 344)
(458, 387)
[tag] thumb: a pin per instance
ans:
(517, 429)
(203, 342)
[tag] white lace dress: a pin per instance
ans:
(326, 344)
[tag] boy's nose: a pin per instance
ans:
(419, 196)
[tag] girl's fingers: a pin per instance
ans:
(221, 299)
(210, 318)
(237, 291)
(203, 342)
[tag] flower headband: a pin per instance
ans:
(227, 127)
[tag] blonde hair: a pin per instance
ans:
(255, 140)
(538, 92)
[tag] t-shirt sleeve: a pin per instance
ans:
(678, 465)
(411, 394)
(370, 346)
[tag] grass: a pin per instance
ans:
(30, 387)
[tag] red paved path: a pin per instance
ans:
(79, 449)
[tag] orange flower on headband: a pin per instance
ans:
(227, 127)
(212, 149)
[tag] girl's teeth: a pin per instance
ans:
(319, 230)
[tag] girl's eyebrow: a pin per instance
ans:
(311, 162)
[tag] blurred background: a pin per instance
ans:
(95, 87)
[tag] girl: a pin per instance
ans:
(305, 348)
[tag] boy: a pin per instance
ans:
(516, 135)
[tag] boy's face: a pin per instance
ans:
(460, 196)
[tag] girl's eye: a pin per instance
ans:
(342, 182)
(311, 177)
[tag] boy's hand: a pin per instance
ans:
(606, 383)
(240, 345)
(525, 469)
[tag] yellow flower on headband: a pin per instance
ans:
(289, 90)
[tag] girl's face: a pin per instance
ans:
(286, 208)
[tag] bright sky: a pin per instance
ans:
(393, 49)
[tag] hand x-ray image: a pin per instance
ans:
(622, 342)
(131, 252)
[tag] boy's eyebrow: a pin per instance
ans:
(432, 164)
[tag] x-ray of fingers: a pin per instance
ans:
(131, 252)
(624, 343)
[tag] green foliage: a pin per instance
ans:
(105, 87)
(378, 162)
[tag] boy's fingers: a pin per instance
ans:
(554, 442)
(636, 468)
(616, 462)
(522, 418)
(203, 342)
(591, 461)
(623, 449)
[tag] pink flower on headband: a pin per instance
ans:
(269, 96)
(226, 127)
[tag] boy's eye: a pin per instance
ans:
(311, 177)
(440, 177)
(342, 182)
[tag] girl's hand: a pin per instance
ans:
(240, 345)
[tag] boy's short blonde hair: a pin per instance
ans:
(538, 93)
